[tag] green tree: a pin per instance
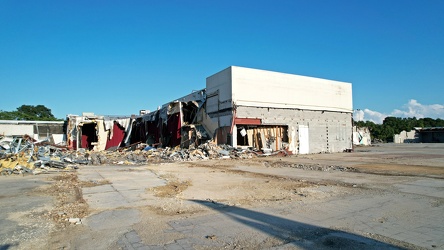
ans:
(394, 125)
(29, 113)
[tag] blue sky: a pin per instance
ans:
(117, 57)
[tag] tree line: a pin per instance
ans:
(380, 132)
(394, 125)
(29, 113)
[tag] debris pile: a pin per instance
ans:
(22, 155)
(143, 153)
(25, 155)
(315, 167)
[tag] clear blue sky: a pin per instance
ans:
(117, 57)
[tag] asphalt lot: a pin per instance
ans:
(389, 197)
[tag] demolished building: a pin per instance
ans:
(97, 132)
(259, 109)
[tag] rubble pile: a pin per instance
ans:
(325, 168)
(315, 167)
(24, 155)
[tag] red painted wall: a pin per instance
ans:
(118, 136)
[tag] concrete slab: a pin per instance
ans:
(128, 186)
(20, 210)
(111, 219)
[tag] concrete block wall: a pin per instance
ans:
(328, 131)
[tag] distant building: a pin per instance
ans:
(261, 109)
(421, 135)
(38, 130)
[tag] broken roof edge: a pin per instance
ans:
(105, 117)
(195, 95)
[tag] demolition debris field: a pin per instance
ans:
(386, 196)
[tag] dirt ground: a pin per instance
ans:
(262, 183)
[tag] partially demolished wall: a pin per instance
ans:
(178, 123)
(361, 136)
(96, 133)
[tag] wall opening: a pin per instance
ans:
(274, 137)
(189, 112)
(89, 136)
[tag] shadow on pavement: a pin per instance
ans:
(7, 246)
(296, 234)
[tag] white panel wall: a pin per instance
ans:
(12, 129)
(221, 83)
(260, 88)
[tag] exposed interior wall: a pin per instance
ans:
(96, 132)
(117, 137)
(147, 129)
(272, 136)
(45, 130)
(223, 135)
(174, 124)
(171, 131)
(209, 124)
(88, 136)
(361, 136)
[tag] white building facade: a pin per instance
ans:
(265, 109)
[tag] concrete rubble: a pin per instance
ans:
(24, 155)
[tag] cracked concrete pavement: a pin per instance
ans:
(252, 205)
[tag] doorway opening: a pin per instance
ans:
(89, 136)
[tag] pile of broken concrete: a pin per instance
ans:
(21, 155)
